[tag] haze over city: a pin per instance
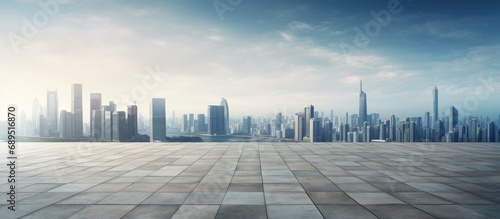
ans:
(264, 57)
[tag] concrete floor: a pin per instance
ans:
(255, 180)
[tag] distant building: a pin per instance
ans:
(247, 125)
(95, 105)
(315, 132)
(226, 115)
(52, 112)
(216, 120)
(158, 124)
(299, 127)
(201, 123)
(190, 122)
(474, 130)
(362, 116)
(106, 123)
(66, 124)
(77, 109)
(308, 115)
(119, 126)
(132, 122)
(453, 119)
(185, 123)
(435, 104)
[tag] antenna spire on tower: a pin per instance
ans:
(361, 85)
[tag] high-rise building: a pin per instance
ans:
(427, 121)
(96, 124)
(66, 124)
(438, 131)
(190, 122)
(216, 120)
(52, 112)
(362, 116)
(490, 132)
(453, 119)
(106, 123)
(308, 115)
(119, 126)
(435, 104)
(474, 130)
(226, 115)
(95, 104)
(185, 124)
(158, 124)
(132, 127)
(299, 126)
(201, 122)
(315, 135)
(247, 125)
(77, 109)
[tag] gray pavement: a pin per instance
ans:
(255, 180)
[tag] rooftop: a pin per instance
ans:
(255, 180)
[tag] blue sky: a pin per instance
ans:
(263, 56)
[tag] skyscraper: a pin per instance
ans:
(474, 130)
(191, 122)
(216, 120)
(201, 122)
(52, 112)
(185, 125)
(299, 126)
(119, 126)
(435, 105)
(132, 127)
(362, 116)
(315, 135)
(453, 119)
(308, 115)
(226, 115)
(95, 104)
(158, 124)
(77, 109)
(66, 124)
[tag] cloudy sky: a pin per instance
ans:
(264, 57)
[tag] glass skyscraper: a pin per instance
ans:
(158, 129)
(362, 116)
(77, 109)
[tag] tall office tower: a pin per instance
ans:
(331, 117)
(247, 125)
(158, 124)
(327, 135)
(473, 133)
(427, 120)
(490, 132)
(132, 127)
(185, 125)
(216, 120)
(392, 128)
(453, 119)
(435, 104)
(77, 109)
(362, 106)
(190, 122)
(413, 132)
(354, 120)
(226, 115)
(346, 131)
(201, 122)
(383, 131)
(278, 121)
(120, 126)
(52, 112)
(315, 135)
(95, 117)
(438, 131)
(308, 115)
(95, 104)
(366, 134)
(299, 126)
(66, 124)
(106, 123)
(374, 119)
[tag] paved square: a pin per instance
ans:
(254, 180)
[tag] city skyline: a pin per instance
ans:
(187, 54)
